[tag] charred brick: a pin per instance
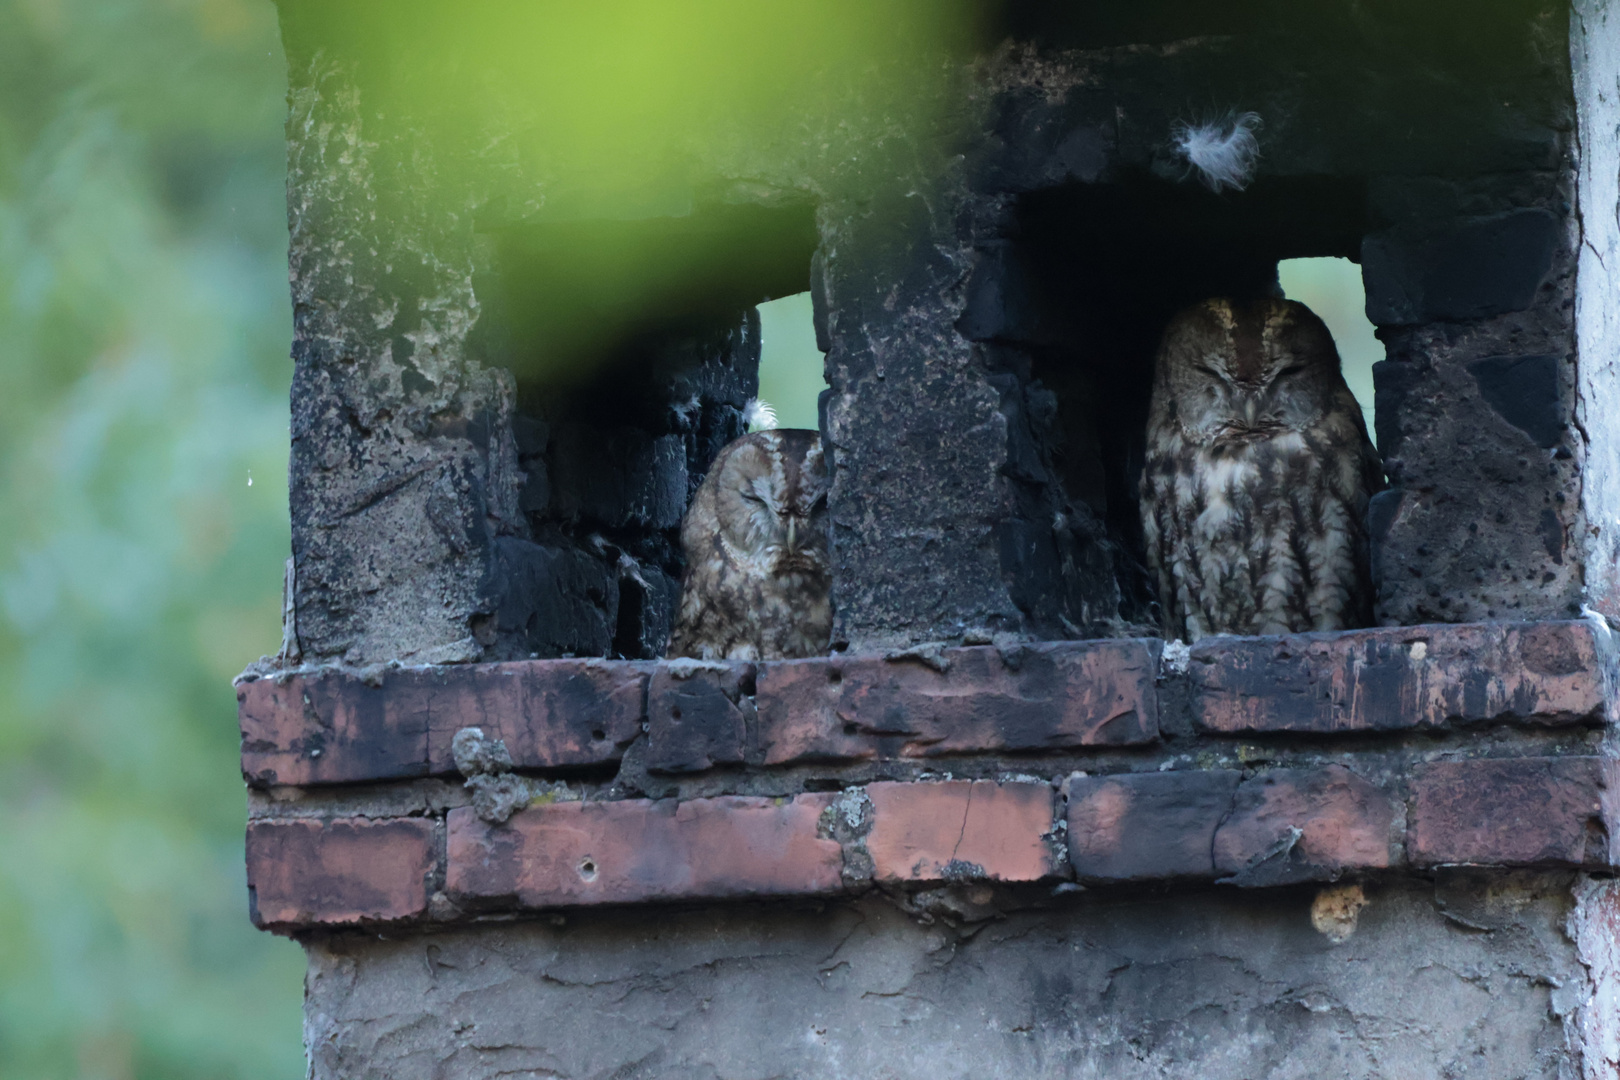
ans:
(1147, 826)
(698, 717)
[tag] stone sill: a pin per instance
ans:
(1274, 827)
(334, 726)
(1328, 808)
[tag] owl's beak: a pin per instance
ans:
(792, 533)
(1251, 409)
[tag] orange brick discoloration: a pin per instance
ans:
(639, 850)
(960, 830)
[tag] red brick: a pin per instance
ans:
(1147, 826)
(1557, 811)
(334, 727)
(1342, 822)
(327, 727)
(1399, 677)
(960, 829)
(697, 717)
(307, 873)
(637, 850)
(1039, 697)
(550, 712)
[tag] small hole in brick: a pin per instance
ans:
(850, 729)
(835, 676)
(598, 734)
(587, 869)
(675, 712)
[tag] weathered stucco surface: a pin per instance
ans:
(1466, 977)
(1595, 61)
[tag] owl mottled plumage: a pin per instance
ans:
(757, 577)
(1258, 472)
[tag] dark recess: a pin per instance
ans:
(635, 346)
(1084, 285)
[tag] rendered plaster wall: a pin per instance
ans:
(1463, 976)
(1595, 56)
(403, 470)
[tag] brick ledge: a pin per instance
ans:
(1272, 827)
(332, 726)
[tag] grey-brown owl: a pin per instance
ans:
(757, 579)
(1258, 472)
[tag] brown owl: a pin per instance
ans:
(757, 579)
(1258, 472)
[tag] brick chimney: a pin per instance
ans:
(1002, 829)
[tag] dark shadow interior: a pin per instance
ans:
(635, 348)
(1103, 268)
(1484, 36)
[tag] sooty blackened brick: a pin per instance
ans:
(1524, 391)
(620, 478)
(610, 460)
(647, 603)
(549, 601)
(1139, 826)
(698, 718)
(1471, 270)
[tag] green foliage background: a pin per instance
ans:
(144, 324)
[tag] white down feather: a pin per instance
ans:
(759, 415)
(1224, 151)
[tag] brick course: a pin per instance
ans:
(1246, 828)
(335, 726)
(1276, 827)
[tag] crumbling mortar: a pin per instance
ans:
(1384, 760)
(408, 798)
(965, 908)
(441, 859)
(1385, 756)
(848, 819)
(498, 792)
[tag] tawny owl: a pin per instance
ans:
(757, 578)
(1258, 472)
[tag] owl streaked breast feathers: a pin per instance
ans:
(757, 579)
(1257, 477)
